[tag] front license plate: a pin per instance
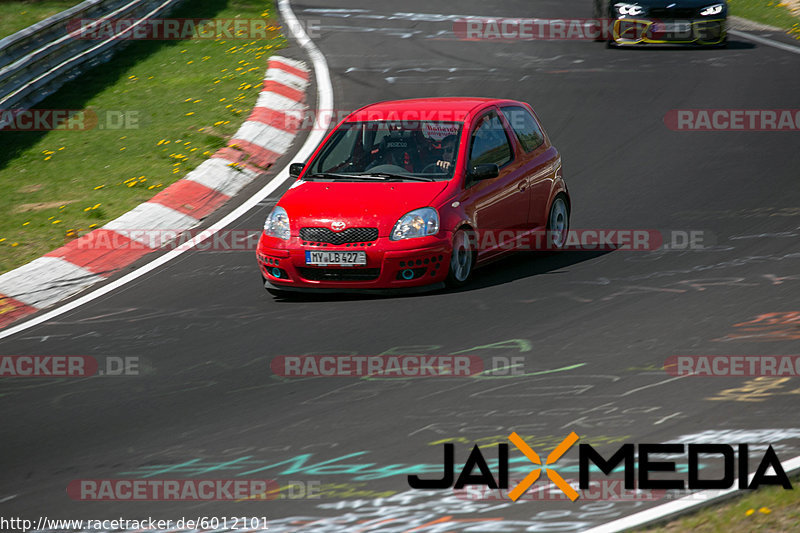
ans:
(679, 28)
(336, 258)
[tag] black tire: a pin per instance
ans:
(462, 259)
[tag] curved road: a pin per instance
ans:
(593, 329)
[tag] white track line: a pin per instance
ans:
(324, 101)
(765, 41)
(681, 506)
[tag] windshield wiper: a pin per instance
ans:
(396, 176)
(333, 175)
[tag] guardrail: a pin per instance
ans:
(38, 60)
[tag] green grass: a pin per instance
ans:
(770, 12)
(767, 509)
(189, 97)
(15, 16)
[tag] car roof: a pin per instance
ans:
(445, 108)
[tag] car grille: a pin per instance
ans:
(339, 237)
(663, 13)
(339, 274)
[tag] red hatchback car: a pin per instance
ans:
(399, 195)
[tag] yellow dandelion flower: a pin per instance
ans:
(25, 223)
(61, 148)
(48, 158)
(14, 244)
(749, 512)
(92, 226)
(56, 222)
(190, 113)
(122, 149)
(765, 510)
(99, 187)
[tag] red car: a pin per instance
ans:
(404, 194)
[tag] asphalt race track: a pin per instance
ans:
(594, 329)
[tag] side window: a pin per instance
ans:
(525, 127)
(489, 143)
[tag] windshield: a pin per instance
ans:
(414, 151)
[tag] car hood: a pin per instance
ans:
(357, 204)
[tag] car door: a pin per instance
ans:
(500, 203)
(540, 160)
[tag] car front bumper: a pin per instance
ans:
(390, 264)
(638, 31)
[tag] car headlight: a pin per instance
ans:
(716, 9)
(416, 223)
(629, 9)
(277, 224)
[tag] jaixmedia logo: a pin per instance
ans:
(638, 463)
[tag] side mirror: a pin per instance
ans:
(295, 169)
(483, 172)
